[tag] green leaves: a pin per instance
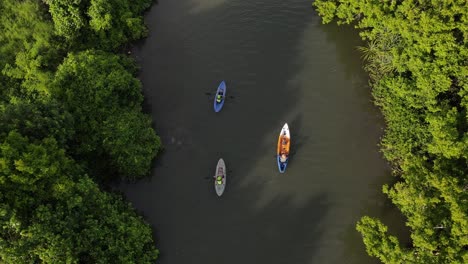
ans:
(98, 80)
(104, 98)
(67, 16)
(94, 85)
(326, 9)
(131, 143)
(29, 168)
(37, 120)
(98, 23)
(445, 136)
(48, 211)
(60, 118)
(115, 235)
(28, 49)
(379, 244)
(416, 58)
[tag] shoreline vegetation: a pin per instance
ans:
(416, 57)
(70, 121)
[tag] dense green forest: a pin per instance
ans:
(417, 58)
(70, 121)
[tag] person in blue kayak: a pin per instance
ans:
(219, 97)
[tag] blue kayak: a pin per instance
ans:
(220, 97)
(282, 164)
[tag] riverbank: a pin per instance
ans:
(416, 58)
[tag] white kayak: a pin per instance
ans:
(220, 177)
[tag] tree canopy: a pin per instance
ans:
(130, 142)
(28, 47)
(92, 85)
(416, 57)
(51, 212)
(103, 24)
(69, 105)
(98, 89)
(38, 120)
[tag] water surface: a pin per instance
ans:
(280, 65)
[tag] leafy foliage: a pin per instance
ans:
(379, 244)
(28, 48)
(37, 120)
(48, 211)
(109, 24)
(131, 143)
(416, 58)
(105, 98)
(32, 169)
(56, 114)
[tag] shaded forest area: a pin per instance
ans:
(70, 121)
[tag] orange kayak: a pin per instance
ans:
(283, 148)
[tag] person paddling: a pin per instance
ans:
(219, 98)
(283, 158)
(219, 179)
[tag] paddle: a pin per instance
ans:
(212, 177)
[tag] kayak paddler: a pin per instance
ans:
(283, 158)
(219, 97)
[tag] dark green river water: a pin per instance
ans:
(281, 65)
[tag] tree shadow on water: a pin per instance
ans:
(346, 40)
(277, 233)
(192, 53)
(298, 138)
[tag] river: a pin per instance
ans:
(280, 65)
